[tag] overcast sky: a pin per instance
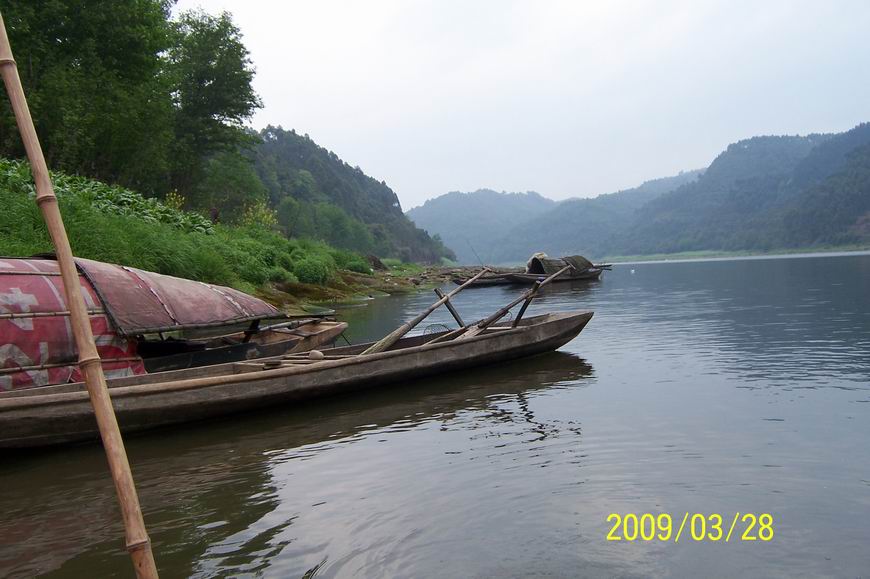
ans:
(565, 98)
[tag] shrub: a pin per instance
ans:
(350, 261)
(259, 215)
(359, 266)
(281, 275)
(312, 269)
(285, 261)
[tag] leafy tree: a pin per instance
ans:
(93, 73)
(229, 185)
(213, 96)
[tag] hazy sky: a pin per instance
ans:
(567, 98)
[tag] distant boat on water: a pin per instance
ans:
(540, 266)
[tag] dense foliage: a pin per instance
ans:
(159, 237)
(121, 92)
(319, 195)
(127, 93)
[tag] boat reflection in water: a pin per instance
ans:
(221, 496)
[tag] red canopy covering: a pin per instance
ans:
(141, 302)
(36, 340)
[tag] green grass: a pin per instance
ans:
(399, 267)
(145, 233)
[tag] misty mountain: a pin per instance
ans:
(761, 194)
(582, 226)
(470, 222)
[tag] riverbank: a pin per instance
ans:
(346, 287)
(713, 254)
(115, 225)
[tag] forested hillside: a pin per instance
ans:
(131, 95)
(113, 224)
(316, 194)
(761, 194)
(470, 222)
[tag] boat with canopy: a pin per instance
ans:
(143, 322)
(540, 266)
(61, 413)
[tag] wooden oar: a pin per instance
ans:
(138, 544)
(396, 334)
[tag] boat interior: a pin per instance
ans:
(333, 353)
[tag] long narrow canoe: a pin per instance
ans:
(60, 414)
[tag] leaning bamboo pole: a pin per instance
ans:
(470, 331)
(137, 541)
(527, 297)
(396, 334)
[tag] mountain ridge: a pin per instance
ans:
(759, 194)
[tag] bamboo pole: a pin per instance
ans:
(450, 307)
(394, 336)
(479, 327)
(137, 541)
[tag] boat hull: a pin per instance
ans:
(62, 414)
(528, 278)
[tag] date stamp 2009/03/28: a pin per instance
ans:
(693, 526)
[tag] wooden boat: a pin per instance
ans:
(142, 321)
(539, 267)
(593, 273)
(498, 278)
(62, 413)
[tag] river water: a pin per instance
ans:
(714, 387)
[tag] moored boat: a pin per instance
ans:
(498, 278)
(539, 267)
(141, 321)
(62, 413)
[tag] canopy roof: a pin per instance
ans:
(142, 302)
(36, 340)
(541, 264)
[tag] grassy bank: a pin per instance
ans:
(116, 225)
